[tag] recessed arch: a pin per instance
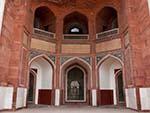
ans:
(106, 19)
(107, 69)
(81, 64)
(44, 78)
(75, 20)
(44, 19)
(75, 80)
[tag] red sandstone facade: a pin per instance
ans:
(128, 43)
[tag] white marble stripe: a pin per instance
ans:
(57, 97)
(149, 5)
(94, 97)
(2, 6)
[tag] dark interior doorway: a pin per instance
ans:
(31, 91)
(120, 88)
(75, 85)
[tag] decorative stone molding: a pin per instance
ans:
(73, 3)
(87, 59)
(127, 39)
(64, 59)
(99, 57)
(35, 53)
(117, 53)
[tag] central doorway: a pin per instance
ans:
(75, 85)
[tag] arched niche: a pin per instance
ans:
(108, 80)
(86, 69)
(106, 19)
(43, 70)
(75, 23)
(44, 19)
(75, 84)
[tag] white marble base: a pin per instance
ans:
(21, 97)
(6, 97)
(57, 97)
(131, 100)
(94, 97)
(145, 98)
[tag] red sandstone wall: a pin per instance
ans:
(11, 41)
(143, 18)
(137, 53)
(6, 42)
(136, 22)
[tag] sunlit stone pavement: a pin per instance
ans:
(73, 109)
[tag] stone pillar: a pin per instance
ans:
(59, 36)
(94, 80)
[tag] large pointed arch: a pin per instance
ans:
(80, 62)
(77, 62)
(106, 70)
(44, 78)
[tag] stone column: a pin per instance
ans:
(59, 36)
(94, 80)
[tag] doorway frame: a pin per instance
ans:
(66, 79)
(117, 89)
(34, 74)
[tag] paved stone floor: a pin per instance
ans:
(73, 109)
